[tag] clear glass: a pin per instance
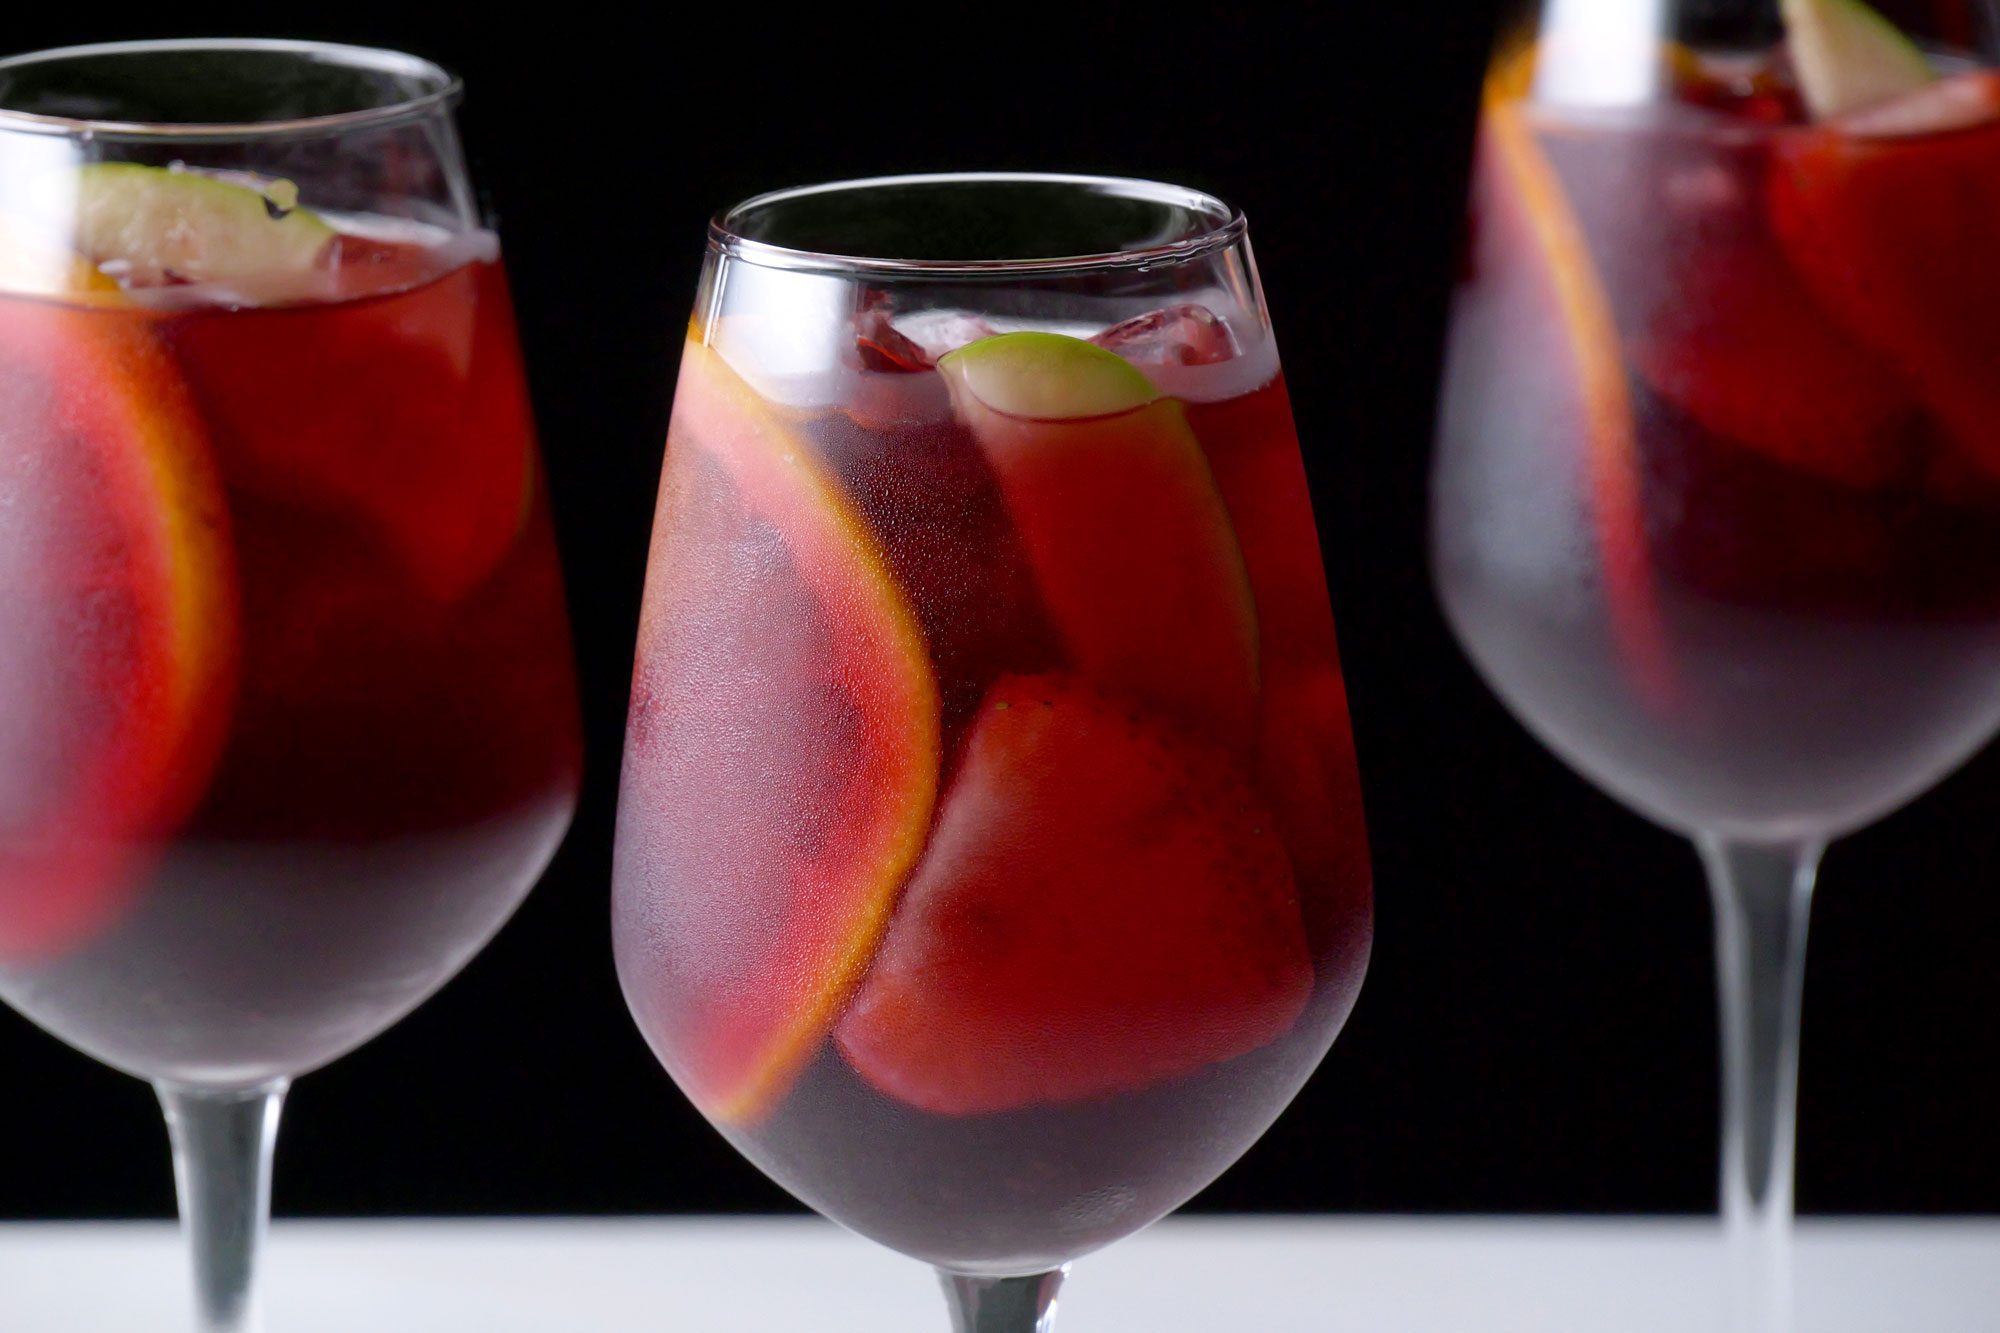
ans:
(1716, 499)
(990, 865)
(289, 714)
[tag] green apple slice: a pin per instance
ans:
(147, 223)
(1848, 56)
(1047, 377)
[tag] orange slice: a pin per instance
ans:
(783, 753)
(118, 625)
(32, 265)
(1529, 210)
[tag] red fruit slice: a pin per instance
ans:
(406, 410)
(1128, 539)
(881, 347)
(1714, 319)
(117, 617)
(1306, 769)
(1744, 349)
(1534, 257)
(1104, 906)
(1262, 479)
(1305, 747)
(1892, 228)
(782, 758)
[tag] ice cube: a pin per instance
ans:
(941, 331)
(886, 341)
(1176, 335)
(881, 346)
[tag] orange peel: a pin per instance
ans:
(1607, 423)
(127, 538)
(802, 864)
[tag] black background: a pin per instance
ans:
(1536, 1031)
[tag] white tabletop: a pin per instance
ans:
(708, 1275)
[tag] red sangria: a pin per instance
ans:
(1717, 492)
(1739, 360)
(991, 868)
(292, 721)
(289, 718)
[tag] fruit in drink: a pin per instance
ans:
(289, 715)
(117, 591)
(1878, 212)
(32, 263)
(784, 748)
(436, 455)
(1111, 493)
(1133, 904)
(1104, 905)
(1798, 316)
(154, 225)
(1848, 56)
(1566, 357)
(1305, 762)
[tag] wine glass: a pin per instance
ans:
(990, 865)
(289, 717)
(1716, 501)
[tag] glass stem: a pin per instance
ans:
(1002, 1304)
(1763, 896)
(222, 1170)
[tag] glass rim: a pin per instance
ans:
(1229, 227)
(445, 91)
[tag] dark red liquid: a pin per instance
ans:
(1768, 602)
(1138, 910)
(357, 739)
